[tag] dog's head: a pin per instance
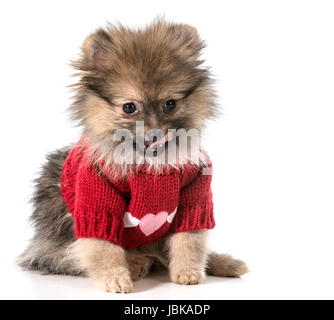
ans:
(150, 77)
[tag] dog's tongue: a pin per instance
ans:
(167, 137)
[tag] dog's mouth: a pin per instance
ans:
(153, 147)
(156, 144)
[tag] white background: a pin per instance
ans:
(272, 149)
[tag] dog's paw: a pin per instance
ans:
(115, 283)
(140, 267)
(187, 277)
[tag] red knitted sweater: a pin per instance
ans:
(136, 210)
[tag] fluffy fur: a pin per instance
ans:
(118, 65)
(149, 66)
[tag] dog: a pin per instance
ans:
(99, 208)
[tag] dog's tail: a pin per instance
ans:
(224, 265)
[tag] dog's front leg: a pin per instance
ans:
(106, 264)
(187, 256)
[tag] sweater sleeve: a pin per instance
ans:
(99, 207)
(195, 210)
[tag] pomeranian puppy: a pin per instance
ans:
(130, 196)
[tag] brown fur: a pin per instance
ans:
(148, 66)
(188, 256)
(224, 265)
(106, 264)
(119, 65)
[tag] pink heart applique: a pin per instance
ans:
(150, 222)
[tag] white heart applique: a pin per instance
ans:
(171, 216)
(129, 220)
(150, 222)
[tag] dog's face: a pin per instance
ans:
(152, 76)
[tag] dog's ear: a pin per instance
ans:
(190, 42)
(96, 48)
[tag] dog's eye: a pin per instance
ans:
(170, 105)
(130, 108)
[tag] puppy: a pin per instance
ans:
(130, 197)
